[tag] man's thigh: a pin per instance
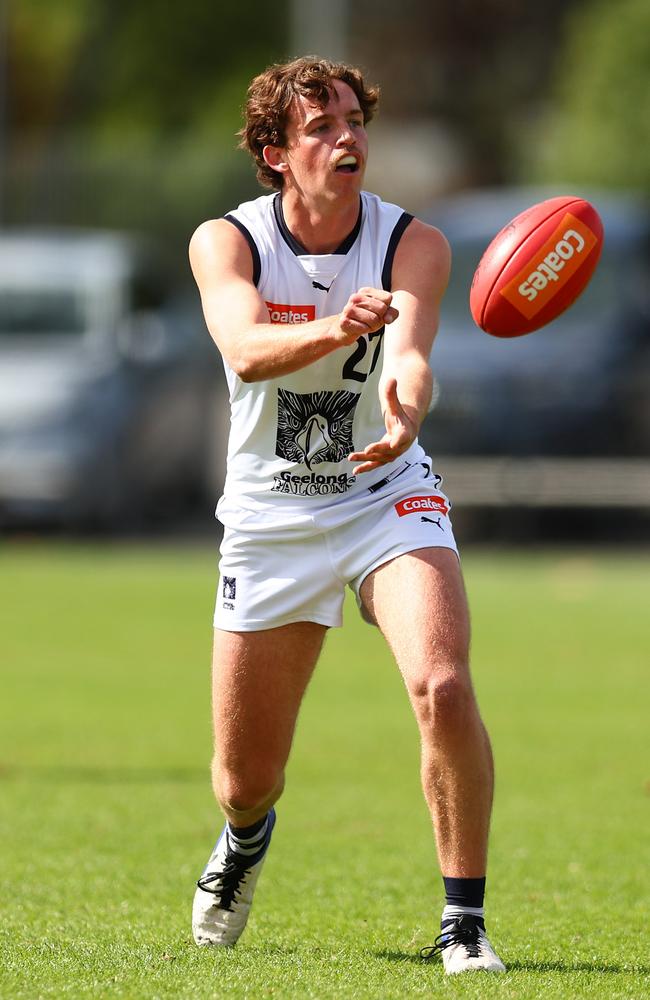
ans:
(414, 518)
(418, 601)
(259, 679)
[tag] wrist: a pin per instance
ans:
(338, 335)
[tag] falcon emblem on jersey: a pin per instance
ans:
(315, 427)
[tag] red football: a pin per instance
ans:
(536, 266)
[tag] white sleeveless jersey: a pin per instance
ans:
(290, 436)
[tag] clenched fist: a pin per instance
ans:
(366, 311)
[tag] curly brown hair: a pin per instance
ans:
(272, 93)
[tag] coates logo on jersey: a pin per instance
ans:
(414, 505)
(290, 314)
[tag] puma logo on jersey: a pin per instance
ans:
(280, 313)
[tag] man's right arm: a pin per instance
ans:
(238, 319)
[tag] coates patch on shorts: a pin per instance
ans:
(280, 313)
(413, 505)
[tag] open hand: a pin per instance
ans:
(401, 432)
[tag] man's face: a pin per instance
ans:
(327, 147)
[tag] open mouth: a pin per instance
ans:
(347, 165)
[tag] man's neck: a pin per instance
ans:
(319, 229)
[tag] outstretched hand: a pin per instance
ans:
(401, 432)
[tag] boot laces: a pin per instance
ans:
(226, 883)
(465, 931)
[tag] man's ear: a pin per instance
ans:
(275, 158)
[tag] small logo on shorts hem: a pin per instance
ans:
(415, 505)
(230, 587)
(432, 520)
(228, 606)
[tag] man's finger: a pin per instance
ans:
(369, 450)
(366, 467)
(376, 293)
(391, 399)
(377, 457)
(390, 389)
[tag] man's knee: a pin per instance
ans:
(244, 792)
(443, 697)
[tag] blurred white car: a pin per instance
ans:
(108, 381)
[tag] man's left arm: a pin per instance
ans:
(419, 279)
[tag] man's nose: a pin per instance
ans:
(345, 136)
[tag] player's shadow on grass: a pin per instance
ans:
(92, 775)
(517, 966)
(606, 967)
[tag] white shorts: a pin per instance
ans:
(273, 574)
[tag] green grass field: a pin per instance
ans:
(107, 815)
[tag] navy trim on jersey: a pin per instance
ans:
(395, 237)
(296, 247)
(288, 237)
(351, 238)
(257, 264)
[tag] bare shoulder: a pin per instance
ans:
(420, 238)
(422, 254)
(217, 247)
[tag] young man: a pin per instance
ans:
(323, 301)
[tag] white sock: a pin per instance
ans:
(450, 912)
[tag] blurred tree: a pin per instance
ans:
(126, 114)
(473, 67)
(597, 128)
(42, 39)
(132, 70)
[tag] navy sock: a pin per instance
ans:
(468, 893)
(244, 832)
(249, 841)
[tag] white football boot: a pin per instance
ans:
(224, 893)
(464, 947)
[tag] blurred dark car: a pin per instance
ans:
(560, 417)
(107, 381)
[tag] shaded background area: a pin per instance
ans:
(125, 115)
(122, 118)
